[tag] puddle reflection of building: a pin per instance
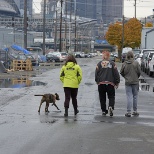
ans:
(5, 83)
(145, 87)
(142, 80)
(19, 82)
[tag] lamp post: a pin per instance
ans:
(55, 37)
(44, 17)
(25, 24)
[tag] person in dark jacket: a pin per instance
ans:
(107, 78)
(71, 76)
(131, 71)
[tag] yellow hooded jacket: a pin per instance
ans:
(71, 75)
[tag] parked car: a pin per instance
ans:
(88, 55)
(147, 61)
(145, 50)
(151, 66)
(20, 57)
(92, 54)
(124, 53)
(52, 58)
(143, 55)
(79, 55)
(112, 57)
(138, 58)
(136, 51)
(143, 60)
(115, 54)
(32, 58)
(62, 55)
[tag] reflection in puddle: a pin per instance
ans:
(19, 83)
(145, 86)
(142, 80)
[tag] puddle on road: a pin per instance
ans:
(144, 86)
(19, 83)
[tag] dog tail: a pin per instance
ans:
(38, 95)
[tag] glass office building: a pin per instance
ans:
(20, 4)
(103, 10)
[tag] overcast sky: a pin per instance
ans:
(144, 7)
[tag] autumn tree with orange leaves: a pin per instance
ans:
(148, 24)
(132, 34)
(114, 35)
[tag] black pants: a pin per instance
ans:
(71, 93)
(109, 89)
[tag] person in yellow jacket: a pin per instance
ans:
(71, 76)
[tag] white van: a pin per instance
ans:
(124, 52)
(126, 49)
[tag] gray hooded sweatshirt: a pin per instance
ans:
(131, 71)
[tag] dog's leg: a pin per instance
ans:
(47, 106)
(56, 106)
(40, 105)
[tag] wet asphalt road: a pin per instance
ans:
(24, 131)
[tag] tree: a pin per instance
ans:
(148, 24)
(132, 34)
(114, 35)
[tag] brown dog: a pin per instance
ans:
(48, 98)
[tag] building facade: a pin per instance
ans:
(103, 10)
(20, 4)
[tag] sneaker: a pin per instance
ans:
(76, 112)
(135, 113)
(128, 114)
(104, 112)
(110, 111)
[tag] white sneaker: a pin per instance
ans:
(110, 111)
(135, 113)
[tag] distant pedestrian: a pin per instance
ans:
(107, 77)
(131, 71)
(71, 76)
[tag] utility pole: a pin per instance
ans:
(25, 24)
(60, 43)
(66, 27)
(44, 19)
(75, 33)
(75, 25)
(70, 26)
(135, 8)
(55, 38)
(122, 46)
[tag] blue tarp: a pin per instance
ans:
(6, 49)
(18, 48)
(43, 58)
(101, 42)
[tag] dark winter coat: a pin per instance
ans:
(106, 73)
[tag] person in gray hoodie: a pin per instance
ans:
(131, 71)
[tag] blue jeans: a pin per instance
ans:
(132, 96)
